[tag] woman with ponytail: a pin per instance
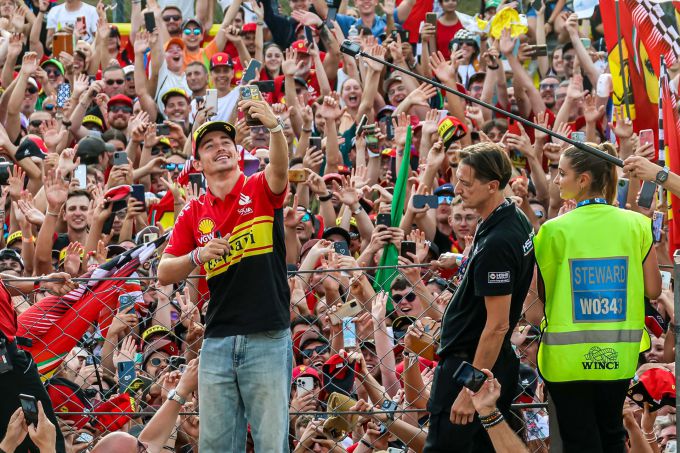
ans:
(596, 264)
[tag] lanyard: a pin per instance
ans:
(591, 201)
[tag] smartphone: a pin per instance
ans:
(309, 36)
(120, 158)
(197, 180)
(84, 438)
(250, 92)
(297, 175)
(126, 373)
(657, 225)
(63, 94)
(406, 248)
(646, 137)
(30, 407)
(62, 42)
(384, 219)
(622, 192)
(469, 377)
(125, 301)
(80, 173)
(265, 86)
(665, 280)
(646, 194)
(389, 127)
(586, 43)
(513, 128)
(341, 247)
(162, 130)
(304, 385)
(211, 99)
(315, 142)
(348, 309)
(138, 192)
(251, 72)
(349, 333)
(420, 201)
(538, 50)
(431, 18)
(175, 361)
(390, 406)
(149, 21)
(578, 136)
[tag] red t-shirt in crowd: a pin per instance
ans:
(248, 288)
(445, 34)
(415, 17)
(8, 317)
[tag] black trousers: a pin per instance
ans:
(444, 436)
(24, 378)
(589, 415)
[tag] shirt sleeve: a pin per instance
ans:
(495, 270)
(275, 199)
(182, 239)
(51, 19)
(345, 22)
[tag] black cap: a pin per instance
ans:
(336, 230)
(212, 126)
(11, 254)
(90, 148)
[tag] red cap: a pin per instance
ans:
(65, 399)
(304, 370)
(659, 382)
(221, 59)
(120, 99)
(422, 364)
(328, 177)
(120, 403)
(249, 27)
(301, 46)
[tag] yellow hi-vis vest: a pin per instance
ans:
(591, 263)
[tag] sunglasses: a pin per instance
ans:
(173, 167)
(258, 129)
(195, 31)
(32, 90)
(306, 217)
(116, 81)
(175, 18)
(48, 107)
(568, 57)
(445, 199)
(319, 350)
(36, 123)
(410, 297)
(156, 361)
(120, 108)
(548, 86)
(538, 214)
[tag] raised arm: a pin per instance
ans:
(145, 98)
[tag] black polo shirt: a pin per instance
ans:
(501, 263)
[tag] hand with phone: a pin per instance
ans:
(16, 431)
(43, 434)
(484, 399)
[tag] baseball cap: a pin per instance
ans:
(444, 189)
(93, 119)
(177, 41)
(401, 324)
(386, 110)
(16, 236)
(451, 129)
(33, 82)
(120, 99)
(174, 92)
(392, 78)
(161, 345)
(311, 335)
(249, 27)
(192, 21)
(90, 148)
(212, 126)
(129, 69)
(154, 333)
(491, 4)
(31, 146)
(301, 46)
(11, 254)
(304, 370)
(221, 59)
(54, 62)
(328, 232)
(527, 384)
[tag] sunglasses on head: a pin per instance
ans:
(410, 297)
(319, 350)
(195, 31)
(173, 17)
(173, 167)
(156, 361)
(120, 108)
(116, 81)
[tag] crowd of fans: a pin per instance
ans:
(115, 110)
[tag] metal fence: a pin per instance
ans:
(105, 356)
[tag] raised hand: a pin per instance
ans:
(442, 68)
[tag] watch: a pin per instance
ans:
(174, 396)
(662, 176)
(278, 127)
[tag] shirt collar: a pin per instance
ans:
(212, 199)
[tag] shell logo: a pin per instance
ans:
(205, 226)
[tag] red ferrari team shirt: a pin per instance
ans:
(248, 288)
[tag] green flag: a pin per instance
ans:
(390, 256)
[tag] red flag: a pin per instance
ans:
(671, 128)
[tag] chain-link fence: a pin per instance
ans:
(360, 356)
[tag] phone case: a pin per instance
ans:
(348, 309)
(426, 345)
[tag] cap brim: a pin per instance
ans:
(213, 126)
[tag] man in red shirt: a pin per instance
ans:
(235, 232)
(18, 371)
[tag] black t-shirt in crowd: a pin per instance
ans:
(501, 263)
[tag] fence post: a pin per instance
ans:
(676, 327)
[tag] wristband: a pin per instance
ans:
(28, 240)
(493, 68)
(54, 214)
(366, 443)
(493, 423)
(490, 416)
(326, 197)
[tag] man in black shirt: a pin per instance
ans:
(477, 324)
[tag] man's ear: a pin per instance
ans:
(494, 186)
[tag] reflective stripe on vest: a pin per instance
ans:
(590, 260)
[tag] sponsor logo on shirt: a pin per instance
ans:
(499, 277)
(528, 245)
(206, 227)
(244, 200)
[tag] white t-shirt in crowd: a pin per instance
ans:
(58, 18)
(166, 81)
(185, 6)
(225, 107)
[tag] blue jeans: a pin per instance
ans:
(245, 379)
